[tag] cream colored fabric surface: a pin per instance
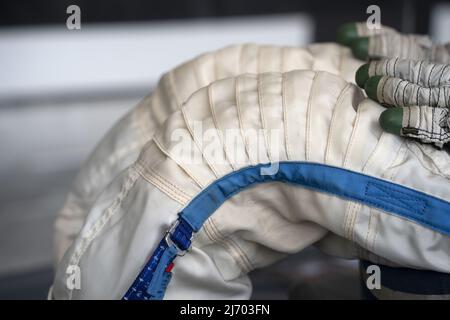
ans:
(122, 144)
(317, 117)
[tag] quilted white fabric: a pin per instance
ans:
(122, 144)
(301, 115)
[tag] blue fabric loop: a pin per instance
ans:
(182, 235)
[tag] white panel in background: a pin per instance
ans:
(117, 56)
(440, 22)
(44, 140)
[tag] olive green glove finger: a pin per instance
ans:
(424, 123)
(423, 73)
(354, 30)
(388, 43)
(418, 112)
(393, 45)
(397, 45)
(390, 91)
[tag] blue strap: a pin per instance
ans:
(152, 281)
(182, 235)
(138, 290)
(414, 205)
(411, 204)
(160, 278)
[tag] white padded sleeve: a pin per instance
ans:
(120, 147)
(268, 221)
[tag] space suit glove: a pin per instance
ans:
(416, 93)
(385, 42)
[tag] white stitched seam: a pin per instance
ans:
(172, 88)
(245, 262)
(356, 211)
(263, 120)
(308, 113)
(369, 230)
(164, 185)
(201, 83)
(217, 127)
(333, 119)
(225, 244)
(191, 131)
(347, 215)
(352, 137)
(241, 123)
(99, 224)
(141, 118)
(285, 117)
(373, 156)
(167, 153)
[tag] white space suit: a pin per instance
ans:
(340, 181)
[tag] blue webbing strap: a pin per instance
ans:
(414, 205)
(152, 281)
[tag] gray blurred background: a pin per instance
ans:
(60, 90)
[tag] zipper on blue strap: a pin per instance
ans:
(159, 281)
(152, 281)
